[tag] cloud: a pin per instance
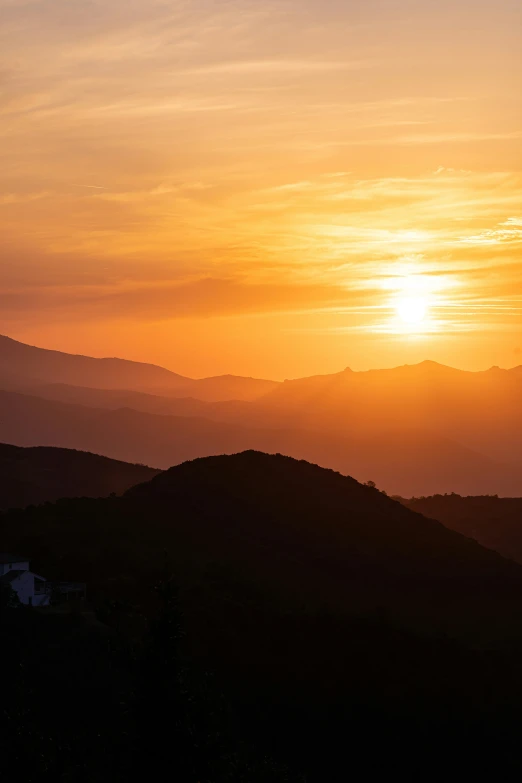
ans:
(21, 198)
(205, 298)
(169, 159)
(507, 232)
(278, 67)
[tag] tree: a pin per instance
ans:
(8, 597)
(163, 735)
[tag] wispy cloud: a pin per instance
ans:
(21, 198)
(278, 67)
(90, 187)
(509, 231)
(288, 148)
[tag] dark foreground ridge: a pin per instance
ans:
(317, 620)
(29, 476)
(325, 530)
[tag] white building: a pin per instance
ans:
(31, 588)
(12, 562)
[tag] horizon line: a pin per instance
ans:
(424, 362)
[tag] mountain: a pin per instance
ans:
(22, 367)
(402, 463)
(290, 531)
(492, 521)
(414, 430)
(480, 410)
(242, 412)
(327, 617)
(113, 399)
(29, 476)
(321, 531)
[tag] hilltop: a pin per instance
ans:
(286, 527)
(325, 529)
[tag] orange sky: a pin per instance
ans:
(250, 187)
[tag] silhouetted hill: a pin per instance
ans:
(402, 463)
(325, 529)
(38, 475)
(298, 530)
(24, 366)
(323, 609)
(492, 521)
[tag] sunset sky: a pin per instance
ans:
(263, 188)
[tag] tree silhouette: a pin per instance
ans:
(8, 597)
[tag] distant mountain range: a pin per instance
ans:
(414, 430)
(399, 462)
(481, 410)
(39, 475)
(25, 366)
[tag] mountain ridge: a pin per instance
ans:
(21, 363)
(415, 430)
(397, 461)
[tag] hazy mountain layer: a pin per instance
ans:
(402, 463)
(493, 522)
(481, 410)
(24, 366)
(414, 430)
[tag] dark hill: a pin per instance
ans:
(37, 475)
(334, 619)
(290, 530)
(317, 530)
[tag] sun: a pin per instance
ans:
(412, 309)
(414, 303)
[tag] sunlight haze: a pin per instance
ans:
(271, 189)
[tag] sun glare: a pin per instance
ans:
(412, 309)
(414, 302)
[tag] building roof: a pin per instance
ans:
(8, 557)
(11, 576)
